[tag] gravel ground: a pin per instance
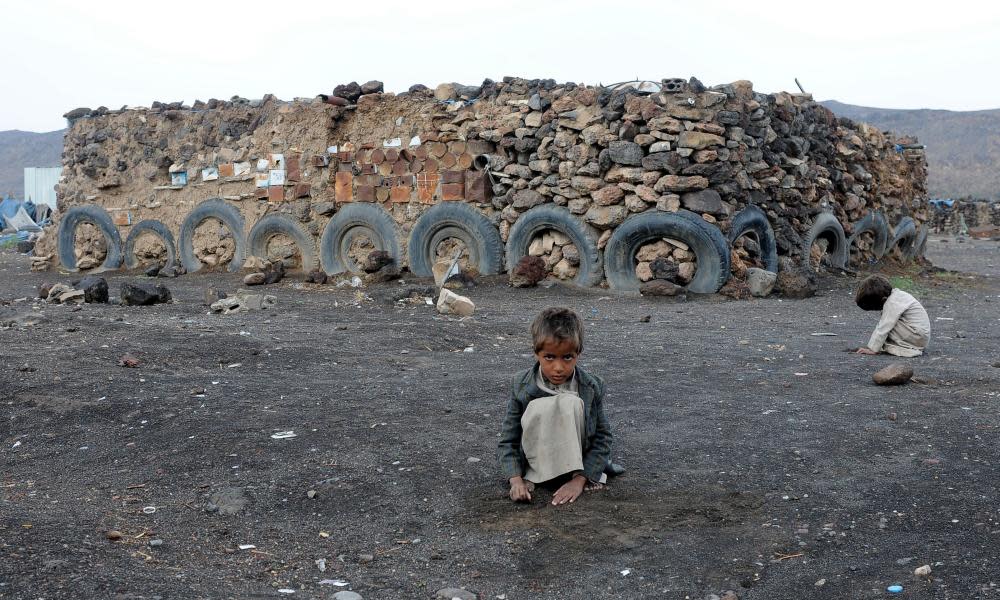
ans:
(761, 458)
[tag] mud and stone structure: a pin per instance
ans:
(668, 180)
(966, 215)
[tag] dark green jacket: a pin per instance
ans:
(597, 444)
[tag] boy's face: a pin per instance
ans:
(557, 359)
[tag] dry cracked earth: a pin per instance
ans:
(763, 463)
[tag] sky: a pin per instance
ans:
(888, 54)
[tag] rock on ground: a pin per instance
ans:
(894, 374)
(144, 294)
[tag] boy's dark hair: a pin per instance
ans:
(557, 323)
(873, 292)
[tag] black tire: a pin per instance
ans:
(875, 224)
(274, 224)
(350, 222)
(753, 220)
(904, 234)
(157, 228)
(550, 216)
(460, 221)
(215, 208)
(826, 225)
(98, 217)
(709, 247)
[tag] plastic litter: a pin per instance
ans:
(282, 435)
(149, 510)
(894, 589)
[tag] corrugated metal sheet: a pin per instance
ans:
(39, 184)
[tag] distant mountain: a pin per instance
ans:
(20, 149)
(963, 148)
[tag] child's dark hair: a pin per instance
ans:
(873, 292)
(557, 323)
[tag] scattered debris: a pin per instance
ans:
(283, 435)
(450, 303)
(244, 301)
(128, 361)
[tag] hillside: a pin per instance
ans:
(963, 148)
(20, 149)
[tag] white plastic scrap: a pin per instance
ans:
(282, 435)
(336, 582)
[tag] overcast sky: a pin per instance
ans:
(61, 55)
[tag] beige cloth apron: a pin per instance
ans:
(906, 341)
(553, 429)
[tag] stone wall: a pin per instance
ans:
(974, 213)
(602, 153)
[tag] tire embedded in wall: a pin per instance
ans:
(159, 230)
(274, 224)
(710, 249)
(351, 222)
(214, 208)
(752, 220)
(827, 226)
(549, 216)
(875, 223)
(459, 221)
(903, 236)
(98, 217)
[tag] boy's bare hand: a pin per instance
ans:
(520, 490)
(570, 490)
(863, 350)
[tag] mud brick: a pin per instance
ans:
(343, 187)
(122, 218)
(452, 191)
(293, 167)
(262, 193)
(452, 177)
(400, 194)
(368, 169)
(345, 156)
(382, 193)
(365, 180)
(345, 167)
(364, 193)
(477, 187)
(226, 170)
(275, 193)
(301, 190)
(427, 185)
(405, 180)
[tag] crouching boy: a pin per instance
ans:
(903, 329)
(555, 429)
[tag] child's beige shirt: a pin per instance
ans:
(904, 327)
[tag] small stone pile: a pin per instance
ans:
(667, 259)
(557, 251)
(214, 244)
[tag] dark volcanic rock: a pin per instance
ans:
(660, 287)
(376, 260)
(95, 289)
(143, 294)
(528, 272)
(798, 282)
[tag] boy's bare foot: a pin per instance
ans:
(570, 490)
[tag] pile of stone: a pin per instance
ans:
(506, 147)
(213, 243)
(90, 289)
(91, 248)
(559, 254)
(667, 259)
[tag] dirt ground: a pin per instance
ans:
(761, 458)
